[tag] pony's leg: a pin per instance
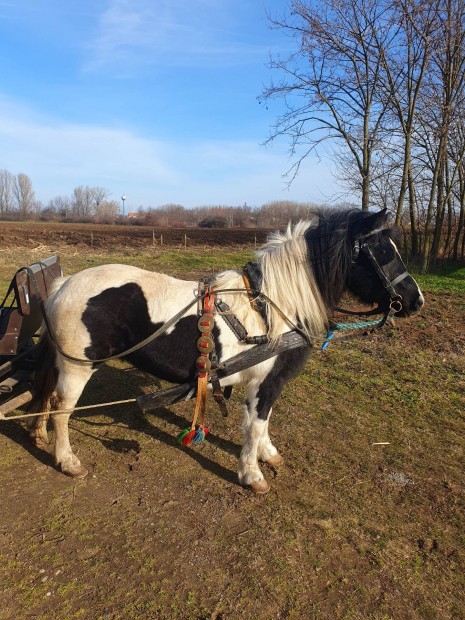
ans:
(69, 388)
(64, 456)
(260, 398)
(253, 427)
(267, 453)
(37, 428)
(257, 445)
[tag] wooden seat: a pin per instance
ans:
(21, 320)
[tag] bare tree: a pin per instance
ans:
(61, 205)
(86, 200)
(24, 195)
(442, 105)
(457, 155)
(331, 84)
(107, 211)
(100, 194)
(404, 65)
(7, 200)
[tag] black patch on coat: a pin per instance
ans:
(118, 318)
(287, 365)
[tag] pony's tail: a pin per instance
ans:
(45, 380)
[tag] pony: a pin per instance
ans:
(296, 280)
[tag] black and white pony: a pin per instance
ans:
(105, 310)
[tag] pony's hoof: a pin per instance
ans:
(260, 487)
(75, 471)
(275, 461)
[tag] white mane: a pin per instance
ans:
(287, 280)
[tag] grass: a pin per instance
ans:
(445, 280)
(350, 530)
(173, 261)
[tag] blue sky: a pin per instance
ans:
(154, 99)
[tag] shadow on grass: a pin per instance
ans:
(129, 384)
(139, 422)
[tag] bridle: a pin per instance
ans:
(362, 244)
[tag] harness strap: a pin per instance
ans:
(231, 320)
(236, 326)
(241, 361)
(387, 283)
(252, 277)
(205, 347)
(346, 312)
(399, 278)
(260, 353)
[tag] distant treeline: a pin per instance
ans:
(92, 205)
(272, 214)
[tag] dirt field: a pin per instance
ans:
(365, 520)
(28, 234)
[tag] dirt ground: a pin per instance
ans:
(364, 521)
(103, 236)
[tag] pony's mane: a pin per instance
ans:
(330, 247)
(305, 271)
(289, 281)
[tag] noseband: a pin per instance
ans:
(362, 245)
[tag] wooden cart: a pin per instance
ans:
(20, 321)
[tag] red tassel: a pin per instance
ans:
(186, 440)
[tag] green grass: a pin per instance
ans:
(190, 263)
(172, 261)
(445, 280)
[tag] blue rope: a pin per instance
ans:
(340, 327)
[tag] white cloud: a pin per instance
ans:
(60, 156)
(65, 155)
(135, 33)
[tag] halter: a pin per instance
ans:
(362, 245)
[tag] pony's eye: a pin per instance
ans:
(385, 254)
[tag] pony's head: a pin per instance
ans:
(355, 251)
(378, 274)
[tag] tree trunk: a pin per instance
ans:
(440, 212)
(460, 224)
(415, 249)
(429, 213)
(404, 180)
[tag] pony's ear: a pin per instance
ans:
(369, 222)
